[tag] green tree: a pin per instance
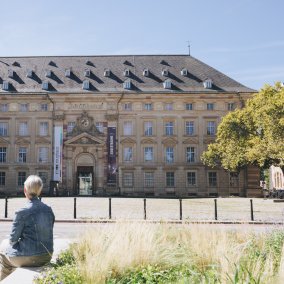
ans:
(253, 135)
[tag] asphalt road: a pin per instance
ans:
(75, 230)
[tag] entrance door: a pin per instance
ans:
(85, 180)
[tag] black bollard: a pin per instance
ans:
(6, 207)
(251, 210)
(216, 214)
(109, 208)
(75, 208)
(145, 216)
(180, 209)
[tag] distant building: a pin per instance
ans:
(130, 125)
(276, 178)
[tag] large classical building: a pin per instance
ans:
(129, 125)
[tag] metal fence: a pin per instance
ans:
(159, 209)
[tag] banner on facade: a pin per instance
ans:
(111, 147)
(57, 158)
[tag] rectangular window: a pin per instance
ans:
(44, 107)
(169, 155)
(170, 179)
(24, 107)
(211, 128)
(189, 106)
(148, 106)
(231, 106)
(43, 128)
(169, 106)
(169, 128)
(100, 126)
(70, 126)
(3, 129)
(127, 128)
(44, 178)
(128, 179)
(43, 155)
(22, 157)
(148, 179)
(21, 178)
(2, 178)
(148, 128)
(212, 179)
(148, 154)
(191, 178)
(127, 106)
(189, 127)
(127, 154)
(23, 129)
(4, 107)
(3, 154)
(210, 106)
(190, 154)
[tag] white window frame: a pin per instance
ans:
(148, 106)
(191, 184)
(23, 128)
(170, 179)
(100, 127)
(43, 128)
(24, 107)
(22, 154)
(3, 128)
(148, 128)
(3, 154)
(189, 106)
(169, 106)
(21, 178)
(2, 178)
(189, 128)
(169, 154)
(128, 179)
(127, 106)
(210, 106)
(43, 154)
(4, 107)
(190, 154)
(169, 128)
(127, 128)
(70, 126)
(148, 179)
(211, 128)
(128, 154)
(210, 179)
(148, 153)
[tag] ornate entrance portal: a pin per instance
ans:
(85, 180)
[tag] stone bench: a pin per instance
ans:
(25, 275)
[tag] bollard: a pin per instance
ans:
(40, 198)
(251, 210)
(216, 216)
(6, 207)
(145, 216)
(180, 209)
(109, 208)
(75, 208)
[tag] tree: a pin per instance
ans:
(253, 135)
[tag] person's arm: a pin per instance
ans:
(17, 228)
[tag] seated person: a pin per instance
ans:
(31, 239)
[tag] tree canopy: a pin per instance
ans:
(253, 135)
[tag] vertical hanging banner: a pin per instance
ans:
(57, 158)
(111, 148)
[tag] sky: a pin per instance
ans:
(242, 38)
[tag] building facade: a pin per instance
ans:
(128, 125)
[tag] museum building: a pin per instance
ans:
(116, 125)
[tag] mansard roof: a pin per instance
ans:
(66, 74)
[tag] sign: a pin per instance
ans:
(57, 162)
(111, 147)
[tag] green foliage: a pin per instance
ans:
(253, 135)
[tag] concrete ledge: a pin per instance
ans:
(25, 275)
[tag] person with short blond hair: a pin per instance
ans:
(31, 239)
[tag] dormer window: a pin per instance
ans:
(167, 84)
(126, 73)
(87, 73)
(45, 85)
(207, 84)
(146, 72)
(5, 86)
(48, 73)
(30, 73)
(165, 72)
(107, 73)
(10, 73)
(127, 85)
(68, 73)
(183, 72)
(86, 85)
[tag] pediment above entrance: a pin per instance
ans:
(169, 141)
(84, 139)
(191, 140)
(148, 141)
(42, 140)
(21, 141)
(208, 140)
(4, 141)
(128, 141)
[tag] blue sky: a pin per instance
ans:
(242, 38)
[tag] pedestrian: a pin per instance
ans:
(31, 238)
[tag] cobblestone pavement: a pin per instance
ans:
(229, 209)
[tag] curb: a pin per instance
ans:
(185, 222)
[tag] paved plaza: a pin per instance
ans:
(97, 208)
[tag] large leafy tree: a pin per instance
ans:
(253, 135)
